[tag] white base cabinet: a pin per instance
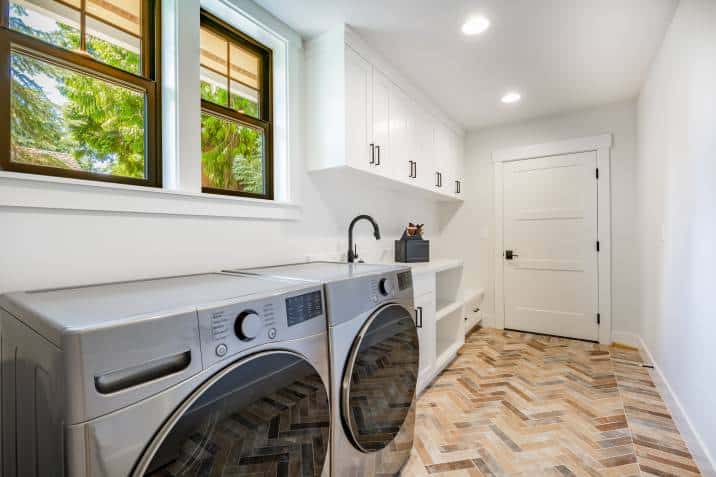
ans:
(425, 321)
(366, 117)
(439, 316)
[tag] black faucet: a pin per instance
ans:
(352, 255)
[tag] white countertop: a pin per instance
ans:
(433, 266)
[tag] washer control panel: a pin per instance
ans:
(230, 328)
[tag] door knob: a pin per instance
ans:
(509, 255)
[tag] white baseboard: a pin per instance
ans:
(626, 338)
(703, 458)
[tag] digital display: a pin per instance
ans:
(303, 307)
(405, 280)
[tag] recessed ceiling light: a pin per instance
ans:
(511, 97)
(475, 25)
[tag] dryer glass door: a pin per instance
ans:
(264, 415)
(380, 378)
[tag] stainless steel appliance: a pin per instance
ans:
(373, 361)
(189, 375)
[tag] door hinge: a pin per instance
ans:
(597, 245)
(597, 173)
(599, 319)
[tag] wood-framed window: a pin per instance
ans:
(79, 92)
(236, 112)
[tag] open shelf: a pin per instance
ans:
(449, 336)
(448, 286)
(447, 309)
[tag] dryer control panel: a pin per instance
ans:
(230, 328)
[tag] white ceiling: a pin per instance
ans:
(560, 54)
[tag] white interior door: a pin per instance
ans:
(550, 226)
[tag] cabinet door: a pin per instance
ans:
(427, 334)
(402, 145)
(459, 166)
(381, 123)
(440, 179)
(424, 138)
(359, 127)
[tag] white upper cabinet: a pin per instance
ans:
(365, 117)
(382, 160)
(359, 123)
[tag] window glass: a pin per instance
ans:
(113, 32)
(54, 22)
(236, 122)
(67, 120)
(232, 156)
(114, 47)
(73, 109)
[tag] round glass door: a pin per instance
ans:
(380, 378)
(265, 415)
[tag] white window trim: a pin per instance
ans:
(181, 134)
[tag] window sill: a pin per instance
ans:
(47, 192)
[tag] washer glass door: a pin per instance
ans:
(267, 414)
(380, 378)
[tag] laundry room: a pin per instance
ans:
(366, 238)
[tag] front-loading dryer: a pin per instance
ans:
(209, 374)
(374, 356)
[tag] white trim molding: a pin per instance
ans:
(32, 191)
(602, 146)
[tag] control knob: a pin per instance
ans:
(248, 325)
(386, 286)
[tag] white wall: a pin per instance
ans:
(48, 248)
(471, 229)
(677, 217)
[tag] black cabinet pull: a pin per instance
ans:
(415, 169)
(419, 317)
(437, 179)
(377, 161)
(372, 153)
(410, 174)
(457, 187)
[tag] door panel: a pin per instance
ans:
(550, 222)
(424, 138)
(359, 129)
(425, 306)
(400, 143)
(266, 415)
(381, 123)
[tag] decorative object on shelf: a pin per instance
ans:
(412, 247)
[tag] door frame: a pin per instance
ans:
(602, 146)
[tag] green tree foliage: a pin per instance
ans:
(35, 121)
(232, 154)
(102, 125)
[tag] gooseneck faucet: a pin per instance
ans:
(353, 254)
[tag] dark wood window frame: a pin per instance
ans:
(265, 122)
(147, 83)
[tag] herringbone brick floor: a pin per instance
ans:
(516, 404)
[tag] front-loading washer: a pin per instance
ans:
(212, 374)
(374, 355)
